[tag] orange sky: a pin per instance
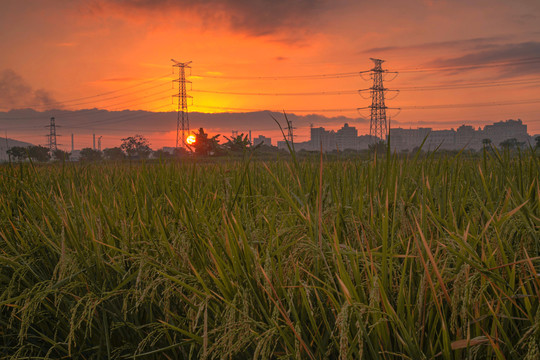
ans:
(478, 52)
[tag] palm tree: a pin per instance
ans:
(204, 145)
(238, 143)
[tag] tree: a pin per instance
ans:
(205, 145)
(379, 147)
(89, 154)
(162, 154)
(114, 153)
(18, 152)
(61, 155)
(511, 144)
(238, 144)
(136, 147)
(486, 142)
(39, 153)
(180, 152)
(537, 139)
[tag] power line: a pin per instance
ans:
(440, 106)
(514, 62)
(465, 105)
(458, 86)
(102, 94)
(149, 98)
(275, 110)
(471, 85)
(337, 92)
(285, 77)
(116, 97)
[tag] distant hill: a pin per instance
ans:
(6, 143)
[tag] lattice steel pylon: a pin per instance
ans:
(51, 137)
(378, 126)
(182, 121)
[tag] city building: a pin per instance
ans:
(262, 139)
(503, 130)
(464, 137)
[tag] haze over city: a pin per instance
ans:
(459, 62)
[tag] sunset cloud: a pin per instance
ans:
(468, 44)
(15, 92)
(254, 17)
(526, 57)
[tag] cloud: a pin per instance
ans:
(254, 17)
(103, 121)
(474, 43)
(509, 59)
(15, 92)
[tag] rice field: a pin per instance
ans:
(419, 257)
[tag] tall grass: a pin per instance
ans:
(387, 258)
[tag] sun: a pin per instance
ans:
(191, 139)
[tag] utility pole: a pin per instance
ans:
(7, 147)
(51, 137)
(93, 141)
(182, 121)
(378, 126)
(290, 131)
(72, 143)
(99, 143)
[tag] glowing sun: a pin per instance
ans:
(191, 139)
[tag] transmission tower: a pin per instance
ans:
(182, 121)
(378, 126)
(51, 137)
(290, 131)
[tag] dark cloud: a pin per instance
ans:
(263, 120)
(255, 17)
(126, 121)
(508, 59)
(15, 92)
(474, 43)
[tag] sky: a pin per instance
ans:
(458, 62)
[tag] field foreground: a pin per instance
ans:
(418, 258)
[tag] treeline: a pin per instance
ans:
(138, 147)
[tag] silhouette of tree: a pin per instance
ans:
(162, 154)
(379, 147)
(114, 153)
(486, 142)
(39, 153)
(537, 139)
(136, 147)
(511, 144)
(238, 143)
(89, 154)
(179, 152)
(205, 145)
(18, 153)
(61, 155)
